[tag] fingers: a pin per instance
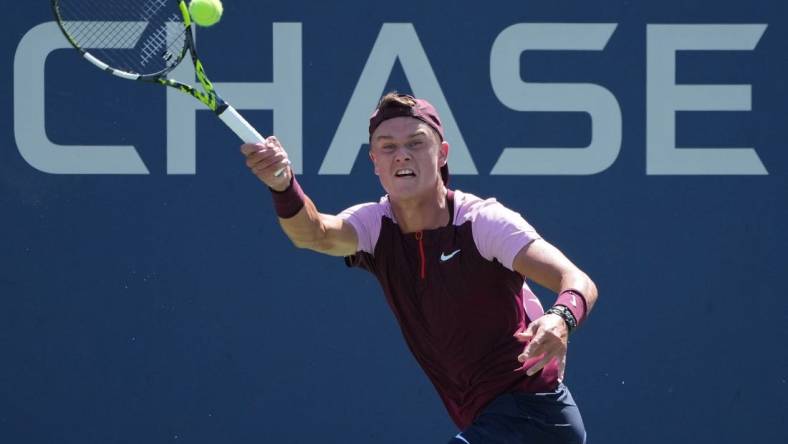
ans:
(270, 143)
(545, 349)
(263, 160)
(528, 334)
(250, 148)
(268, 161)
(561, 368)
(545, 342)
(539, 365)
(260, 161)
(528, 337)
(534, 348)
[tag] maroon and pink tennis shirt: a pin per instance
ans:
(456, 297)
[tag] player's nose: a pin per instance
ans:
(402, 154)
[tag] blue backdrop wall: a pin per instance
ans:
(148, 295)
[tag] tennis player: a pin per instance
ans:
(453, 269)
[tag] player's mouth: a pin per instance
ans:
(404, 172)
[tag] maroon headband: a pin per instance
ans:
(421, 109)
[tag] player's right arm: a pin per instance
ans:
(307, 228)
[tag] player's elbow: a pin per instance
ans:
(305, 236)
(305, 243)
(323, 245)
(315, 241)
(323, 236)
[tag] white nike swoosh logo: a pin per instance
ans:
(574, 301)
(445, 257)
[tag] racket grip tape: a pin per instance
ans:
(244, 130)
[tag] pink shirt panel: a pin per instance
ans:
(499, 233)
(365, 218)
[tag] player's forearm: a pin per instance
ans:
(297, 214)
(546, 265)
(306, 229)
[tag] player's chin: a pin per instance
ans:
(405, 188)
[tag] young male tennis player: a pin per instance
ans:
(453, 269)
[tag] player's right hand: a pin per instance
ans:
(265, 160)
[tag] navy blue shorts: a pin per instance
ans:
(527, 418)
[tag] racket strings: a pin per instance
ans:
(143, 37)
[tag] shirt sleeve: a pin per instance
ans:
(500, 233)
(366, 221)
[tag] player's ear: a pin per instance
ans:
(374, 165)
(443, 154)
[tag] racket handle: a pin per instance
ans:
(243, 129)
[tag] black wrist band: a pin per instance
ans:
(565, 314)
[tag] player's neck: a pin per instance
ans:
(422, 213)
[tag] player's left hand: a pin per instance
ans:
(548, 336)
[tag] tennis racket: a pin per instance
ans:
(145, 40)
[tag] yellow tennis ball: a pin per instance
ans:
(206, 12)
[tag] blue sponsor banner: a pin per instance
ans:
(147, 293)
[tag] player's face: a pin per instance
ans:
(407, 155)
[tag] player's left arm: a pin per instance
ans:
(549, 267)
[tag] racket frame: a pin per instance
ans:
(208, 96)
